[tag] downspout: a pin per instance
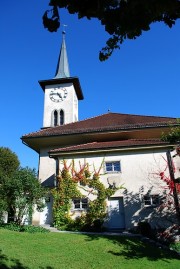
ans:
(57, 172)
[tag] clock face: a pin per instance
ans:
(58, 94)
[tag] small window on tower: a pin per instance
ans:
(55, 118)
(61, 117)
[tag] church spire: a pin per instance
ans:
(62, 70)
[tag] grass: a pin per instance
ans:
(175, 246)
(79, 251)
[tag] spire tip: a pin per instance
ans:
(62, 70)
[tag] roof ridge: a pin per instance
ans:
(139, 115)
(136, 115)
(94, 117)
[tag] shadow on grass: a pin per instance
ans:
(6, 263)
(134, 248)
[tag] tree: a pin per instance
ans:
(122, 19)
(9, 162)
(173, 136)
(21, 192)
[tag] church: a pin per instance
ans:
(129, 146)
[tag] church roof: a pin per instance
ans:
(108, 145)
(106, 122)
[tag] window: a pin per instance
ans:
(61, 114)
(80, 203)
(151, 200)
(55, 118)
(113, 166)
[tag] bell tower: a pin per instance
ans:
(61, 94)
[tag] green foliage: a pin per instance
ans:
(9, 162)
(51, 23)
(20, 192)
(67, 189)
(97, 208)
(3, 208)
(12, 226)
(175, 246)
(23, 228)
(62, 194)
(122, 19)
(174, 135)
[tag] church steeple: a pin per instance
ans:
(62, 94)
(62, 70)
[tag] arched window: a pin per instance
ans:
(55, 118)
(61, 114)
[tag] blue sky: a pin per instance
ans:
(140, 78)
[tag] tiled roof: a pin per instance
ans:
(105, 122)
(110, 145)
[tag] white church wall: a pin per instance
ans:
(138, 176)
(47, 169)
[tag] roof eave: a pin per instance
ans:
(111, 149)
(101, 130)
(54, 81)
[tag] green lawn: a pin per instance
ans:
(79, 251)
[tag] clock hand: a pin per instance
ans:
(59, 95)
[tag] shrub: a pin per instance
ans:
(175, 246)
(23, 228)
(169, 235)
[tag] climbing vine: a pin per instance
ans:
(169, 200)
(62, 194)
(164, 176)
(70, 183)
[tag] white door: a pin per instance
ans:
(46, 215)
(116, 218)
